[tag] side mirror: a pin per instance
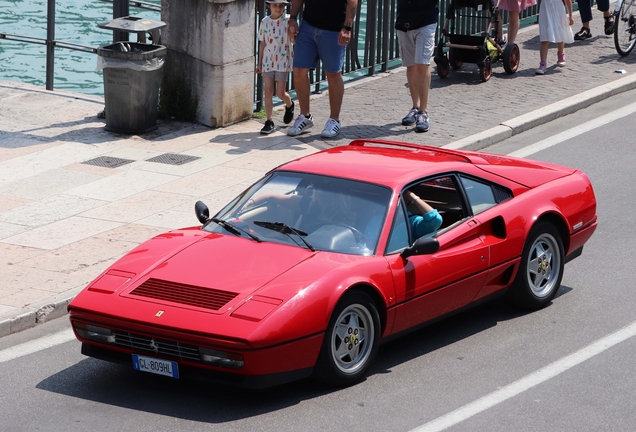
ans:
(422, 246)
(202, 212)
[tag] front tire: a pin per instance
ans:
(541, 269)
(351, 341)
(485, 71)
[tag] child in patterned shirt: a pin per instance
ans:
(275, 58)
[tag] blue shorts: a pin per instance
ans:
(313, 44)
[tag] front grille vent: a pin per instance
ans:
(156, 346)
(206, 298)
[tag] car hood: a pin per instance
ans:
(215, 273)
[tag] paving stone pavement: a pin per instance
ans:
(462, 105)
(63, 221)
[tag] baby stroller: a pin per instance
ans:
(483, 49)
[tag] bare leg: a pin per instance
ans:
(560, 47)
(419, 79)
(424, 77)
(336, 94)
(282, 94)
(414, 85)
(268, 87)
(543, 51)
(301, 84)
(513, 26)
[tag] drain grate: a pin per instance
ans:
(108, 162)
(173, 159)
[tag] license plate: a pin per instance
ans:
(156, 366)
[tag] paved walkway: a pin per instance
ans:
(63, 221)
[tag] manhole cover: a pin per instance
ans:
(173, 159)
(108, 162)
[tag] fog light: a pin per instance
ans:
(95, 333)
(220, 358)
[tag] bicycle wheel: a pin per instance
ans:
(624, 28)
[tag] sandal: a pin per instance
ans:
(583, 34)
(609, 25)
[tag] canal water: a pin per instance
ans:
(75, 22)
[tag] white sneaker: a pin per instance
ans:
(332, 128)
(301, 124)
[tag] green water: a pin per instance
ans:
(76, 22)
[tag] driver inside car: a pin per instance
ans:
(318, 205)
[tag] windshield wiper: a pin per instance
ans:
(234, 229)
(287, 230)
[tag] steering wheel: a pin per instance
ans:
(360, 238)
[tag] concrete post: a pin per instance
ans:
(211, 51)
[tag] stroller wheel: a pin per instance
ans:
(455, 64)
(511, 57)
(485, 71)
(443, 66)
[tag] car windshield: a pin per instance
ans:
(311, 211)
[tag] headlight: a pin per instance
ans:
(220, 358)
(94, 333)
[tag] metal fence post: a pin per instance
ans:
(50, 44)
(120, 9)
(386, 28)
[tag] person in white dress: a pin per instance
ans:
(555, 25)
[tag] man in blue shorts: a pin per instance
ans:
(324, 35)
(416, 23)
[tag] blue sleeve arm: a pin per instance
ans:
(422, 225)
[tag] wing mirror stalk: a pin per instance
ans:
(422, 246)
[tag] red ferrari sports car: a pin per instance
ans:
(310, 268)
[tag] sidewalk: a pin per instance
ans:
(63, 221)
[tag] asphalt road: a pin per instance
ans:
(492, 368)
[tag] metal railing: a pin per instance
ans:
(120, 9)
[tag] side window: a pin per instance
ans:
(399, 238)
(444, 195)
(480, 195)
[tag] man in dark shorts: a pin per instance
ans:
(324, 35)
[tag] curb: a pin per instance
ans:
(543, 115)
(38, 314)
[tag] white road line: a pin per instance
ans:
(36, 345)
(527, 382)
(566, 363)
(575, 131)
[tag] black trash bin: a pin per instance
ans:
(132, 77)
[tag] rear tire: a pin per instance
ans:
(454, 63)
(351, 341)
(511, 58)
(541, 268)
(443, 67)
